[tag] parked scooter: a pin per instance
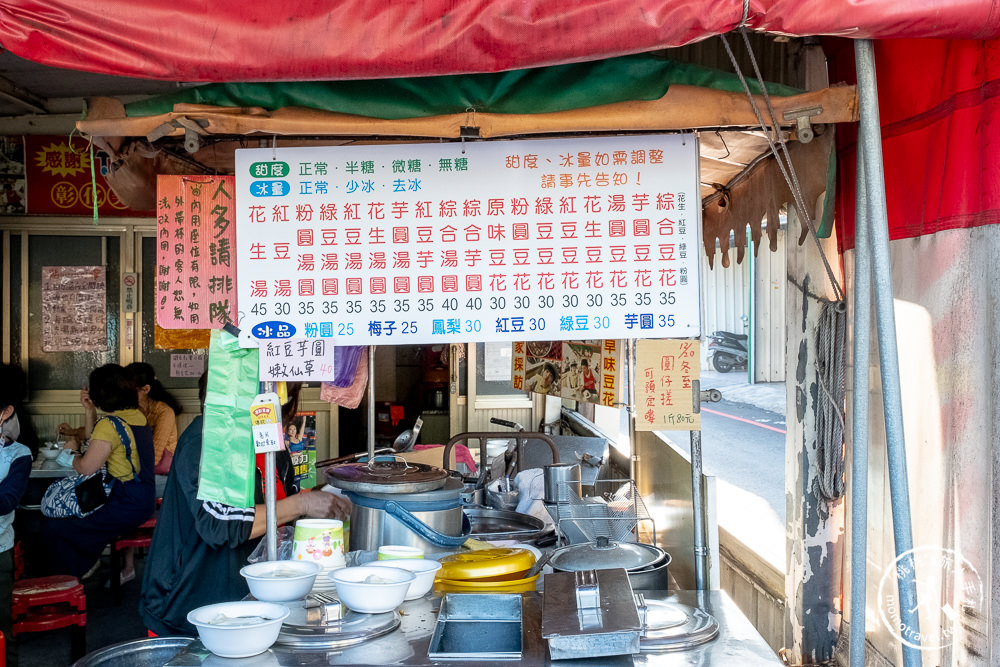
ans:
(729, 351)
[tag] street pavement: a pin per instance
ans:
(743, 447)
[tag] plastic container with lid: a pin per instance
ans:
(501, 564)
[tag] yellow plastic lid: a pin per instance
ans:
(480, 586)
(486, 563)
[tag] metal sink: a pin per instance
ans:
(473, 626)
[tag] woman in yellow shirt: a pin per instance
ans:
(122, 442)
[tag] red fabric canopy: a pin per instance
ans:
(237, 40)
(939, 105)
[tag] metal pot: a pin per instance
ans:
(560, 479)
(645, 564)
(430, 520)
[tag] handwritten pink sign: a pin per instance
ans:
(195, 258)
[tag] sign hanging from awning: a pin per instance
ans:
(195, 264)
(484, 241)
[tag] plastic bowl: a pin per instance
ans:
(49, 454)
(267, 587)
(243, 640)
(372, 598)
(423, 569)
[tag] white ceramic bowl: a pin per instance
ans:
(242, 640)
(269, 582)
(372, 598)
(49, 454)
(423, 568)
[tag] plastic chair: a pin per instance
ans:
(140, 538)
(50, 603)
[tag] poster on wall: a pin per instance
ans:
(12, 186)
(664, 374)
(485, 241)
(583, 370)
(195, 264)
(74, 309)
(58, 176)
(300, 441)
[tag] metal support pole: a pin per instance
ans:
(870, 140)
(697, 506)
(630, 405)
(859, 423)
(271, 505)
(371, 402)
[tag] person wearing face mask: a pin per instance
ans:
(15, 468)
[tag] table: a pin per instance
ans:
(738, 642)
(49, 470)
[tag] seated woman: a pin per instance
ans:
(160, 409)
(75, 544)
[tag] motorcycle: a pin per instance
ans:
(729, 351)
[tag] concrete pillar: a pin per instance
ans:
(814, 526)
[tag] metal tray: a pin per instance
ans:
(477, 627)
(491, 524)
(353, 628)
(671, 626)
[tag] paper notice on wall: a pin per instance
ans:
(297, 360)
(580, 370)
(665, 371)
(187, 365)
(74, 309)
(497, 362)
(195, 258)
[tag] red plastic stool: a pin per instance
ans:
(50, 603)
(140, 538)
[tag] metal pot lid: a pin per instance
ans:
(670, 626)
(353, 628)
(603, 554)
(387, 476)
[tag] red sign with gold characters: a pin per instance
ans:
(57, 171)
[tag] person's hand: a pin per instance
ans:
(67, 431)
(322, 505)
(85, 401)
(72, 444)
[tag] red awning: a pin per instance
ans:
(236, 40)
(939, 105)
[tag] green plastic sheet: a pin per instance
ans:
(538, 90)
(227, 470)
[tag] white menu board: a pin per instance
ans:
(482, 241)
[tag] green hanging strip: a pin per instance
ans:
(93, 180)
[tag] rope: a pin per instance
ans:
(791, 178)
(831, 350)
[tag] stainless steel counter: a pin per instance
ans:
(738, 642)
